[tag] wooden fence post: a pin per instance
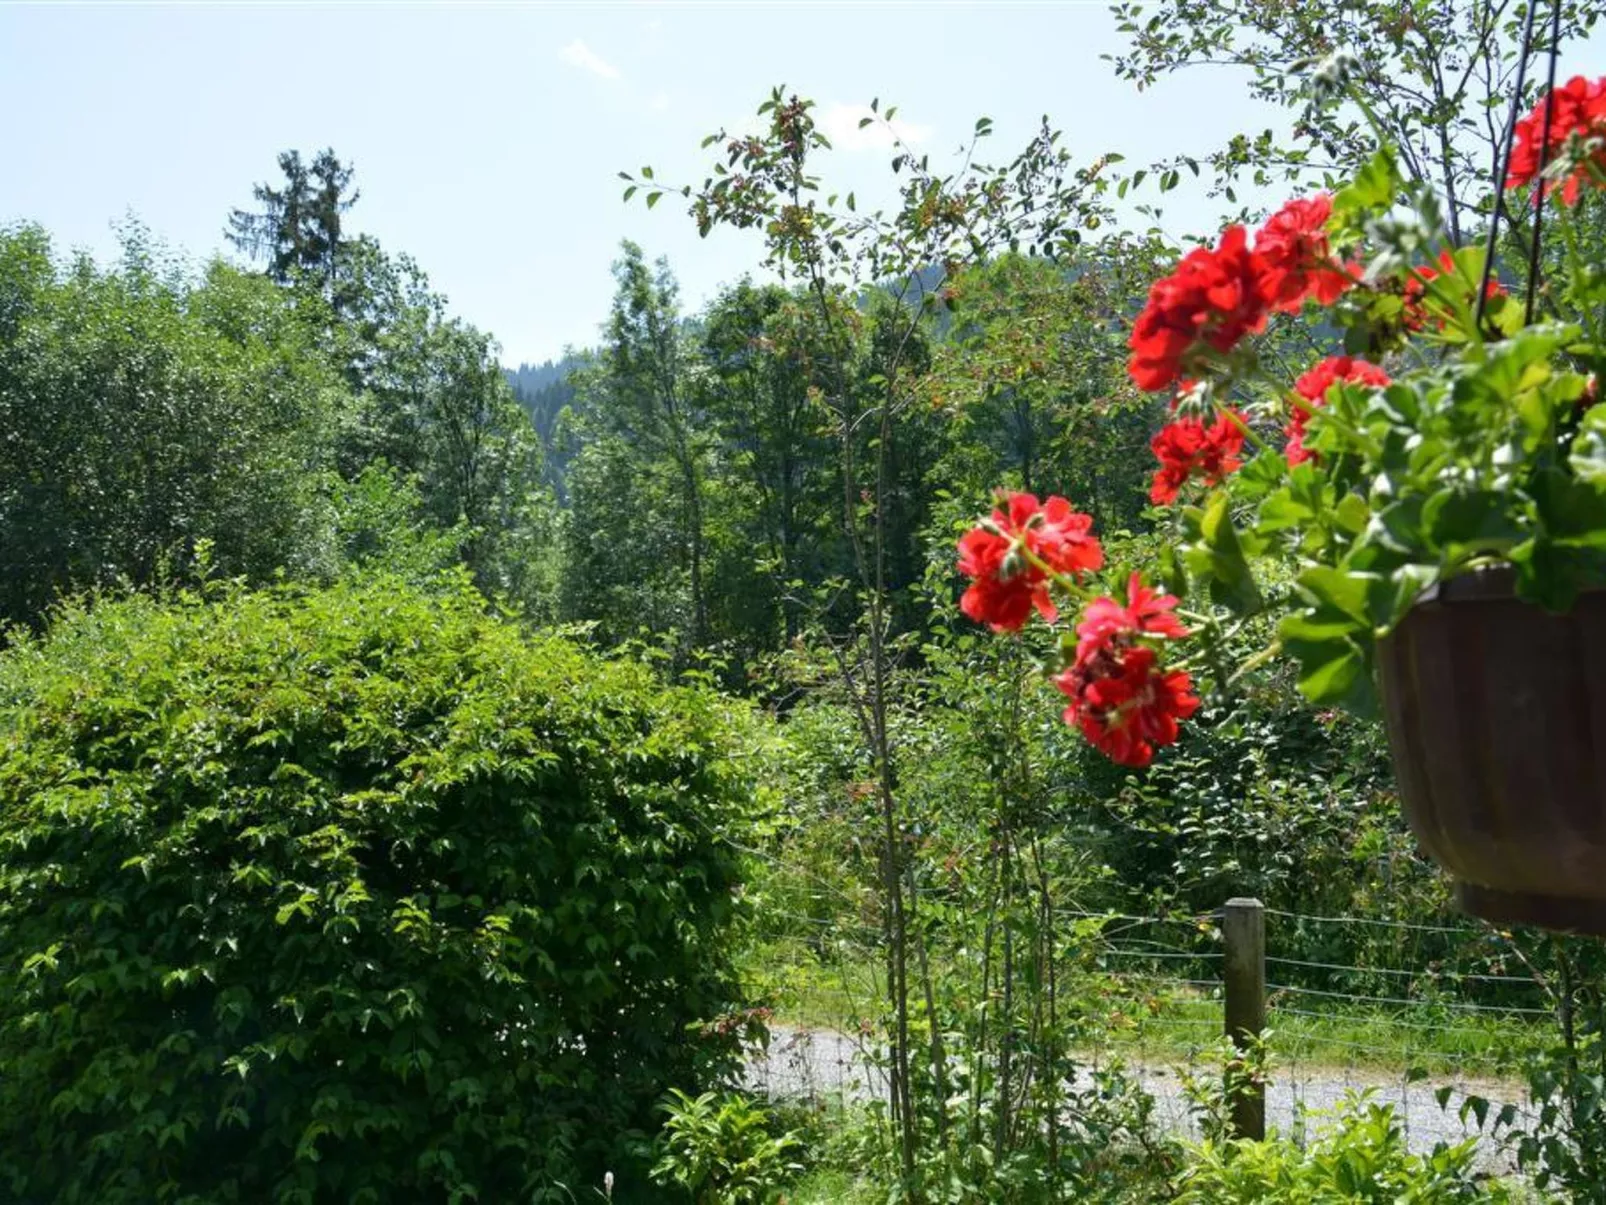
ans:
(1243, 931)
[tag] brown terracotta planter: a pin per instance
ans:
(1496, 716)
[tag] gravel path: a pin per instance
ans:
(826, 1065)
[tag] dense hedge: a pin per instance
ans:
(353, 895)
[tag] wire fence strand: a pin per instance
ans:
(1447, 1007)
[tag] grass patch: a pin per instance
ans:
(1158, 1020)
(814, 989)
(827, 1186)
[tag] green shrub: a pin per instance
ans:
(722, 1149)
(352, 895)
(1360, 1157)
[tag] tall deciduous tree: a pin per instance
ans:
(434, 404)
(431, 401)
(1033, 376)
(142, 413)
(1437, 75)
(762, 347)
(1036, 202)
(642, 406)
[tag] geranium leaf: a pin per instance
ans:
(1332, 670)
(1588, 457)
(1331, 588)
(1375, 187)
(1220, 556)
(1261, 475)
(1462, 521)
(1282, 511)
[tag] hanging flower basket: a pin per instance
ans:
(1496, 713)
(1421, 513)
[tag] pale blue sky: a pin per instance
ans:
(487, 138)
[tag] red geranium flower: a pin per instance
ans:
(1311, 391)
(1124, 705)
(1578, 108)
(1006, 582)
(1294, 258)
(1186, 447)
(1146, 613)
(1416, 291)
(1212, 297)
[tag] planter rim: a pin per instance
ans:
(1488, 583)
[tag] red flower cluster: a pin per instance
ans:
(1213, 296)
(1186, 447)
(1145, 612)
(1121, 700)
(1311, 391)
(1295, 258)
(1417, 303)
(1218, 295)
(1009, 559)
(1578, 107)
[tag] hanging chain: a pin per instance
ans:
(1544, 152)
(1502, 159)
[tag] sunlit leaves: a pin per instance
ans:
(467, 862)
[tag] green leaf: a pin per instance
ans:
(1171, 573)
(1588, 457)
(1399, 528)
(1375, 187)
(1329, 671)
(1263, 473)
(1333, 589)
(1218, 558)
(1573, 511)
(1282, 511)
(1334, 656)
(1304, 627)
(1352, 514)
(1462, 522)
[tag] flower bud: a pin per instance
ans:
(1333, 74)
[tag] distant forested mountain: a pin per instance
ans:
(529, 379)
(545, 391)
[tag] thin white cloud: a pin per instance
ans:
(840, 123)
(578, 54)
(659, 102)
